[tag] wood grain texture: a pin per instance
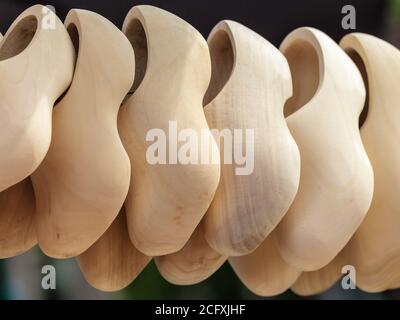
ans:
(249, 86)
(81, 185)
(375, 248)
(36, 67)
(194, 263)
(336, 182)
(263, 271)
(166, 201)
(17, 210)
(112, 263)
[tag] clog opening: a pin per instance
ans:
(361, 67)
(304, 65)
(74, 35)
(137, 37)
(19, 38)
(222, 63)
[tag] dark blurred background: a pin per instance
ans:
(273, 19)
(20, 277)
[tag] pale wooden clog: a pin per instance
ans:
(81, 185)
(336, 182)
(36, 67)
(316, 282)
(17, 207)
(166, 201)
(249, 86)
(17, 210)
(194, 263)
(263, 271)
(375, 248)
(112, 263)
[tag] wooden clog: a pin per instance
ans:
(375, 248)
(194, 263)
(112, 263)
(81, 185)
(316, 282)
(36, 67)
(166, 201)
(336, 182)
(263, 271)
(249, 86)
(17, 210)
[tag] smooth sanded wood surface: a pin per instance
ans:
(336, 184)
(36, 67)
(82, 183)
(112, 263)
(249, 86)
(166, 201)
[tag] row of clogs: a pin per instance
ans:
(78, 100)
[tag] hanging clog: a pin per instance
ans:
(194, 263)
(317, 282)
(375, 248)
(168, 196)
(82, 183)
(17, 210)
(336, 182)
(17, 207)
(36, 67)
(112, 263)
(263, 271)
(249, 85)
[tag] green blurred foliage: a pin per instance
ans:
(395, 9)
(3, 283)
(222, 285)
